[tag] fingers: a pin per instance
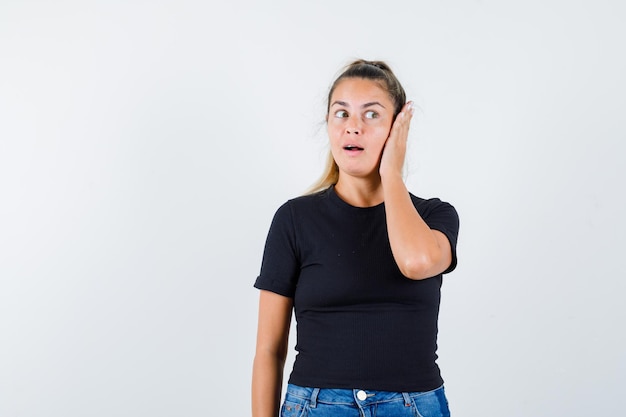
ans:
(394, 151)
(408, 108)
(401, 125)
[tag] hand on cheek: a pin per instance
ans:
(394, 151)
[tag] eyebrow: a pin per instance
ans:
(370, 104)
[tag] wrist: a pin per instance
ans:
(391, 180)
(391, 176)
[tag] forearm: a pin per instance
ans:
(413, 244)
(267, 375)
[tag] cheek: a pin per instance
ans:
(334, 133)
(378, 148)
(381, 135)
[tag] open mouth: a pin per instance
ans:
(352, 148)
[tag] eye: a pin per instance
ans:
(371, 114)
(341, 114)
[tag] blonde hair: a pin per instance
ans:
(370, 70)
(329, 176)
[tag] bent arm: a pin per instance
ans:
(271, 352)
(419, 251)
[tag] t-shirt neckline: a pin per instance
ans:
(334, 197)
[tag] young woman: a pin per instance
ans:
(360, 260)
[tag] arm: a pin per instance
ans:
(271, 352)
(419, 251)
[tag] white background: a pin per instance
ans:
(145, 145)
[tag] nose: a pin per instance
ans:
(353, 127)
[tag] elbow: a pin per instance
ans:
(266, 360)
(273, 353)
(419, 267)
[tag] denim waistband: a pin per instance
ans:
(349, 396)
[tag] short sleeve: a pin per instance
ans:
(443, 217)
(280, 267)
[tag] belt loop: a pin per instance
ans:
(314, 395)
(407, 399)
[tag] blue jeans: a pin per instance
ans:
(316, 402)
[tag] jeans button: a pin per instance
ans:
(361, 395)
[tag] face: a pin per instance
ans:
(359, 119)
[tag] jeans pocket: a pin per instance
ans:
(431, 404)
(293, 407)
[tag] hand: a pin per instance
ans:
(394, 151)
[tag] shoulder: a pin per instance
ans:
(298, 207)
(306, 202)
(430, 204)
(437, 213)
(310, 199)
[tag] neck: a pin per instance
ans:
(360, 192)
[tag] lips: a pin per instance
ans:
(352, 148)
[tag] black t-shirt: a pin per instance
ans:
(360, 322)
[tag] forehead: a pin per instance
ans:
(360, 90)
